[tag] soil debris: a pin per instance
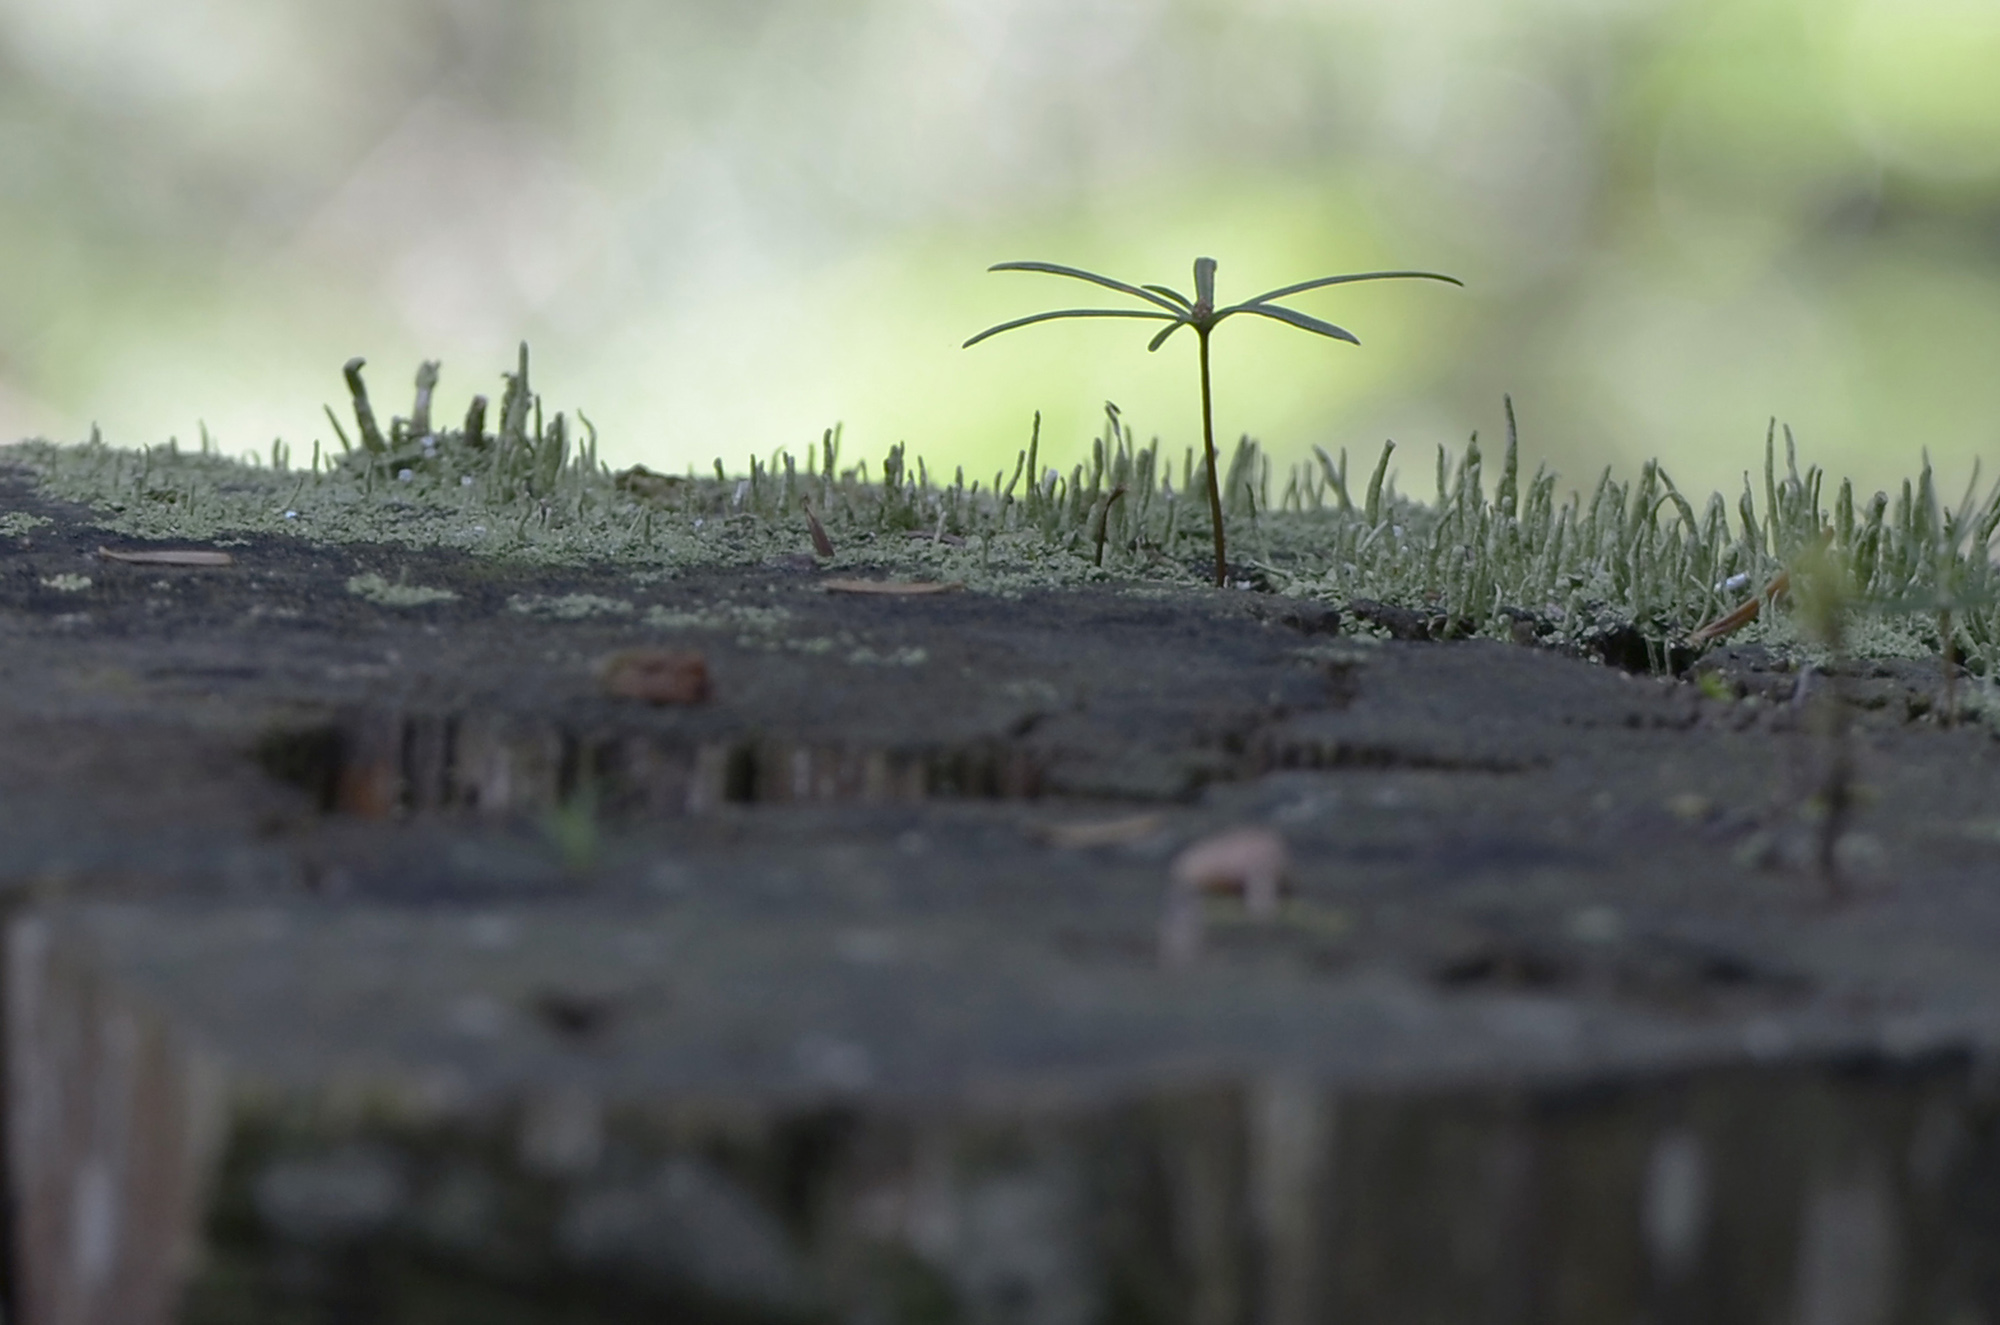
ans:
(1402, 623)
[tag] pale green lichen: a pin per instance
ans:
(66, 583)
(905, 657)
(568, 607)
(384, 594)
(1478, 558)
(721, 617)
(18, 524)
(1032, 689)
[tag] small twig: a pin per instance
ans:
(169, 557)
(1731, 622)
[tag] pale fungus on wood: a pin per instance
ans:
(1251, 862)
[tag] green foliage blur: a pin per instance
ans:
(726, 226)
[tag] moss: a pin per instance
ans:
(66, 583)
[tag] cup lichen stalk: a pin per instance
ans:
(1177, 311)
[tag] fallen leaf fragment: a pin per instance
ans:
(170, 557)
(655, 676)
(1100, 832)
(898, 587)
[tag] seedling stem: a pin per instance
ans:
(1208, 449)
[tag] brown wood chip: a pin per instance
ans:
(170, 557)
(657, 676)
(903, 587)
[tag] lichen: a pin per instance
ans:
(568, 607)
(905, 657)
(1481, 557)
(18, 524)
(721, 617)
(384, 594)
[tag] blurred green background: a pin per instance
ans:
(726, 225)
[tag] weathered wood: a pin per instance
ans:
(370, 960)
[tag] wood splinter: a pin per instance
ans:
(169, 557)
(899, 588)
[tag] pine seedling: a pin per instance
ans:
(1177, 310)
